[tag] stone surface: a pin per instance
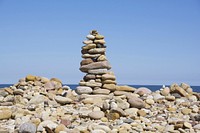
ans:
(27, 128)
(125, 88)
(95, 65)
(136, 102)
(111, 87)
(62, 100)
(30, 78)
(5, 113)
(96, 115)
(142, 91)
(98, 71)
(101, 91)
(83, 90)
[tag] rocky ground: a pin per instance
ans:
(37, 104)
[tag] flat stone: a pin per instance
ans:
(118, 93)
(5, 113)
(86, 61)
(95, 65)
(125, 88)
(136, 102)
(62, 100)
(87, 42)
(187, 125)
(92, 83)
(90, 55)
(97, 71)
(89, 77)
(101, 91)
(99, 37)
(27, 128)
(59, 128)
(101, 58)
(197, 127)
(149, 101)
(108, 77)
(111, 87)
(141, 113)
(96, 115)
(131, 111)
(30, 78)
(142, 91)
(170, 98)
(37, 99)
(184, 86)
(10, 91)
(186, 111)
(109, 82)
(99, 41)
(89, 46)
(181, 91)
(122, 103)
(113, 116)
(97, 51)
(165, 91)
(90, 37)
(83, 90)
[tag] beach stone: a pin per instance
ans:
(90, 37)
(109, 82)
(165, 91)
(47, 123)
(27, 128)
(90, 55)
(142, 90)
(157, 97)
(197, 117)
(176, 95)
(99, 37)
(141, 113)
(102, 58)
(149, 101)
(181, 91)
(59, 128)
(131, 111)
(118, 93)
(30, 78)
(112, 116)
(136, 102)
(187, 125)
(184, 86)
(89, 46)
(62, 100)
(95, 65)
(101, 91)
(89, 77)
(189, 90)
(18, 92)
(111, 87)
(186, 111)
(108, 77)
(10, 91)
(197, 127)
(96, 115)
(56, 80)
(86, 61)
(170, 98)
(97, 51)
(5, 113)
(87, 42)
(92, 83)
(125, 88)
(99, 41)
(49, 85)
(122, 104)
(83, 90)
(98, 71)
(65, 122)
(37, 99)
(105, 128)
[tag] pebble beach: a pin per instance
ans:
(37, 104)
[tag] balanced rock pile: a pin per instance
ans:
(98, 80)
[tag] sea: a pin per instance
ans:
(151, 87)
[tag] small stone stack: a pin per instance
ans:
(98, 78)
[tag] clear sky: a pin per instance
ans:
(148, 41)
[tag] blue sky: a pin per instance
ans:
(148, 42)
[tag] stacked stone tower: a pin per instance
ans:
(98, 78)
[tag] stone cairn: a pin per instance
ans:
(98, 78)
